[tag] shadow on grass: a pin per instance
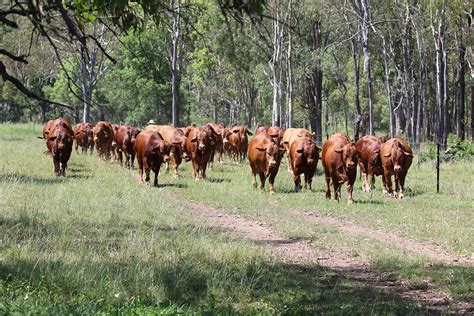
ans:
(217, 180)
(172, 185)
(33, 179)
(12, 139)
(196, 285)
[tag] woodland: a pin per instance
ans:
(356, 66)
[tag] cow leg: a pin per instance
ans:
(119, 154)
(328, 188)
(254, 179)
(290, 169)
(175, 170)
(147, 175)
(56, 167)
(388, 182)
(262, 180)
(297, 181)
(397, 182)
(127, 159)
(272, 181)
(308, 181)
(337, 188)
(402, 185)
(77, 147)
(132, 158)
(140, 169)
(156, 170)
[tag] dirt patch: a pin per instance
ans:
(301, 252)
(421, 248)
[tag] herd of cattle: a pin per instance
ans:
(158, 144)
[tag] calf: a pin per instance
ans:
(151, 152)
(339, 158)
(103, 138)
(199, 146)
(174, 139)
(370, 164)
(304, 159)
(396, 157)
(125, 139)
(264, 157)
(83, 134)
(59, 141)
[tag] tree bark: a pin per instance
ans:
(461, 94)
(366, 21)
(174, 63)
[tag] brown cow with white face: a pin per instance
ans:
(264, 157)
(59, 141)
(125, 139)
(304, 159)
(199, 146)
(103, 138)
(339, 160)
(151, 152)
(84, 136)
(396, 156)
(370, 164)
(174, 138)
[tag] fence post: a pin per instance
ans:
(437, 167)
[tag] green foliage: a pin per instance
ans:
(459, 149)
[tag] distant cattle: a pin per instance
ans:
(151, 152)
(370, 164)
(264, 157)
(219, 143)
(60, 139)
(339, 158)
(238, 140)
(304, 159)
(174, 138)
(46, 128)
(289, 136)
(261, 129)
(125, 138)
(113, 149)
(103, 138)
(396, 156)
(199, 146)
(84, 137)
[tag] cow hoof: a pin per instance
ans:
(401, 196)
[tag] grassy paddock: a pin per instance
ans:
(96, 241)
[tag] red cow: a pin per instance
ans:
(289, 136)
(219, 143)
(264, 157)
(304, 159)
(227, 147)
(59, 141)
(175, 140)
(151, 152)
(125, 139)
(199, 146)
(83, 134)
(113, 148)
(261, 129)
(103, 138)
(238, 141)
(370, 164)
(396, 156)
(339, 160)
(45, 133)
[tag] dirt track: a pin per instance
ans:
(354, 268)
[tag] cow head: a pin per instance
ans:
(225, 135)
(203, 138)
(59, 140)
(310, 151)
(398, 155)
(133, 133)
(272, 154)
(162, 150)
(349, 156)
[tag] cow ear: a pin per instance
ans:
(249, 132)
(387, 155)
(338, 150)
(408, 154)
(52, 138)
(260, 148)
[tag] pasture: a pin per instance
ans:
(99, 241)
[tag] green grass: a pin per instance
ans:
(98, 242)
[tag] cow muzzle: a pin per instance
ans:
(397, 168)
(201, 147)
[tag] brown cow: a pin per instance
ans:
(339, 160)
(370, 164)
(238, 141)
(261, 129)
(304, 158)
(289, 136)
(396, 156)
(125, 139)
(84, 137)
(59, 141)
(199, 146)
(219, 143)
(227, 148)
(151, 153)
(103, 138)
(264, 157)
(46, 128)
(175, 140)
(113, 149)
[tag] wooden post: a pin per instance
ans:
(437, 167)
